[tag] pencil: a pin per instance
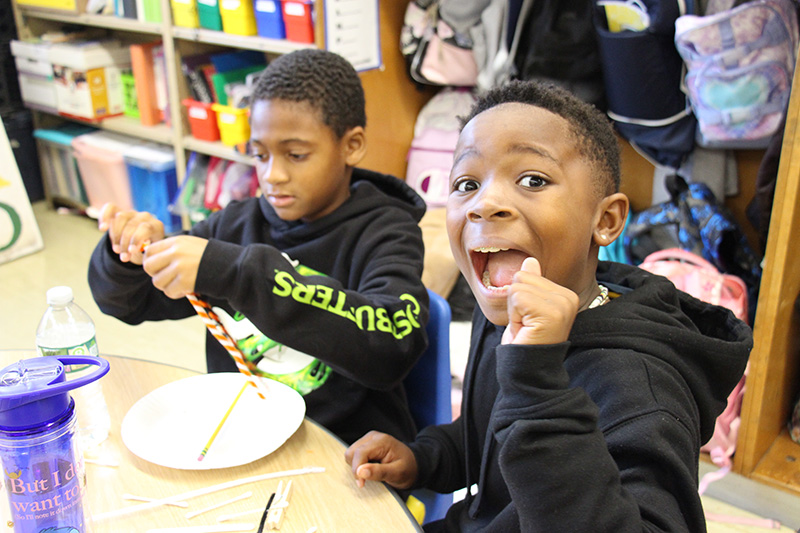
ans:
(222, 422)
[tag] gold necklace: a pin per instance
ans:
(601, 298)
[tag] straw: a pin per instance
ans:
(221, 423)
(218, 505)
(207, 490)
(144, 499)
(214, 325)
(266, 510)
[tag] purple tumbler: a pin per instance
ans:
(43, 471)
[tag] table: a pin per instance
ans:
(329, 501)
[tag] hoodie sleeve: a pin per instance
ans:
(564, 474)
(371, 330)
(126, 292)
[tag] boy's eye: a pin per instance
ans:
(465, 185)
(297, 156)
(533, 181)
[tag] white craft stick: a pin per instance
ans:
(205, 529)
(226, 517)
(143, 499)
(276, 513)
(207, 490)
(192, 514)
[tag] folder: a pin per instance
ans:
(143, 68)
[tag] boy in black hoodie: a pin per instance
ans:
(590, 386)
(318, 279)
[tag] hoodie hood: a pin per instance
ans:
(369, 190)
(707, 344)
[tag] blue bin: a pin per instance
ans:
(269, 20)
(154, 182)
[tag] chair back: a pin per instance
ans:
(428, 385)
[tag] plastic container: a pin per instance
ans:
(234, 126)
(202, 120)
(66, 329)
(42, 459)
(154, 181)
(184, 13)
(208, 14)
(269, 19)
(238, 17)
(59, 168)
(298, 17)
(102, 168)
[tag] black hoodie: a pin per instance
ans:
(601, 433)
(344, 289)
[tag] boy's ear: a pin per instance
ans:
(354, 144)
(612, 212)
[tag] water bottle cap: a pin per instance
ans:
(35, 392)
(60, 295)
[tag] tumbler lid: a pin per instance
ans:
(34, 392)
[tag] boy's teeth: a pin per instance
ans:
(490, 249)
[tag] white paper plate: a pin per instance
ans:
(171, 425)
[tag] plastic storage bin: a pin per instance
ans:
(298, 17)
(102, 166)
(234, 126)
(269, 20)
(202, 120)
(154, 181)
(208, 13)
(184, 13)
(238, 17)
(60, 174)
(35, 74)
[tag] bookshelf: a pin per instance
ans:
(390, 127)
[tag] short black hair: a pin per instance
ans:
(597, 141)
(327, 81)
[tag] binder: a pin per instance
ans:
(146, 92)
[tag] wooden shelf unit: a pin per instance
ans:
(390, 127)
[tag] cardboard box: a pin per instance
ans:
(63, 6)
(35, 74)
(87, 77)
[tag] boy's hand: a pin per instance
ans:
(129, 231)
(173, 264)
(539, 311)
(394, 461)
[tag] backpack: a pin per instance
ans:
(740, 65)
(435, 53)
(696, 276)
(643, 73)
(436, 130)
(693, 220)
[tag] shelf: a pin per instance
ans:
(277, 46)
(160, 133)
(216, 149)
(100, 21)
(780, 466)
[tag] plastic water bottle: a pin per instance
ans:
(66, 329)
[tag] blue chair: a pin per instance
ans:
(428, 387)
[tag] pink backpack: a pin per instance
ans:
(694, 275)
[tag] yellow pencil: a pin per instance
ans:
(222, 422)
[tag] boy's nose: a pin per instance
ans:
(272, 173)
(488, 205)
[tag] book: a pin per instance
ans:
(191, 66)
(143, 67)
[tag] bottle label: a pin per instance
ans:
(87, 348)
